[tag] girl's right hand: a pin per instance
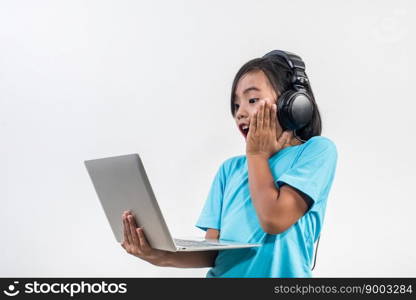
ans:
(135, 242)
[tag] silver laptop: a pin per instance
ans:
(121, 184)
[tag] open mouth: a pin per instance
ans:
(244, 129)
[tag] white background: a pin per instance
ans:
(88, 79)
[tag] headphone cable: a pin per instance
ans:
(317, 243)
(316, 253)
(297, 137)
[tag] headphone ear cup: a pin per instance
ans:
(295, 110)
(283, 109)
(301, 109)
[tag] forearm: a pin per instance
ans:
(194, 259)
(263, 191)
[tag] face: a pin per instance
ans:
(252, 88)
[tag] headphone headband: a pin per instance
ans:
(295, 63)
(295, 107)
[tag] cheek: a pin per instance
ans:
(271, 101)
(253, 109)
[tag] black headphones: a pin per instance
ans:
(295, 106)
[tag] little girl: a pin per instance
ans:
(276, 194)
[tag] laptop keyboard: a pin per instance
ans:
(191, 243)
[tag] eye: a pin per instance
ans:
(255, 99)
(236, 106)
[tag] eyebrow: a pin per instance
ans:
(251, 88)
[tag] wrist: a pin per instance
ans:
(258, 155)
(164, 260)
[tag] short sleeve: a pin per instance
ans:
(313, 171)
(210, 216)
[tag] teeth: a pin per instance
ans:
(245, 127)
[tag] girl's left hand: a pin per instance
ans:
(262, 135)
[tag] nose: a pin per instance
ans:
(241, 113)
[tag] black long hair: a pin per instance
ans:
(280, 76)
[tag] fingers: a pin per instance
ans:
(266, 116)
(253, 123)
(260, 116)
(126, 231)
(273, 117)
(132, 241)
(273, 121)
(133, 233)
(143, 241)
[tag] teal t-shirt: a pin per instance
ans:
(310, 168)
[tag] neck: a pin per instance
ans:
(294, 141)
